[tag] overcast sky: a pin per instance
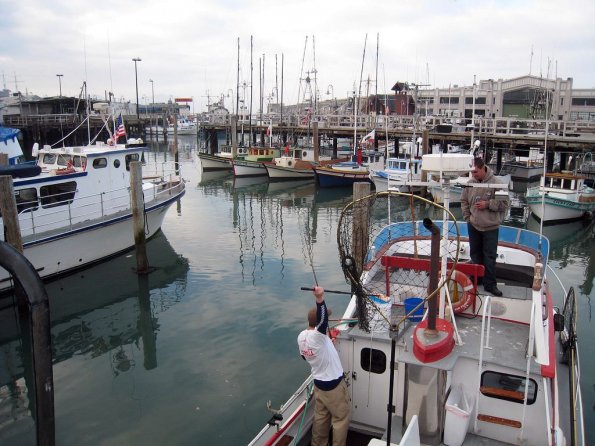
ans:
(190, 48)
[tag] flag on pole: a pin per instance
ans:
(369, 138)
(120, 129)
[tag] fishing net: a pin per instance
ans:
(385, 253)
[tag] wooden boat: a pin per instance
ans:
(429, 356)
(561, 197)
(349, 172)
(253, 163)
(74, 204)
(220, 160)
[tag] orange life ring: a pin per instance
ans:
(462, 280)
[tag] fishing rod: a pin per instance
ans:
(381, 296)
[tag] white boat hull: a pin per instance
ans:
(277, 173)
(210, 163)
(248, 169)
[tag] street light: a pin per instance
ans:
(136, 59)
(60, 82)
(152, 93)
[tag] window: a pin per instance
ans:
(507, 387)
(49, 158)
(373, 361)
(583, 101)
(57, 194)
(78, 161)
(449, 100)
(26, 199)
(100, 163)
(478, 101)
(116, 163)
(64, 159)
(130, 158)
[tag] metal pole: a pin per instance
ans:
(60, 82)
(136, 59)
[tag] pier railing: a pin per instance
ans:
(531, 128)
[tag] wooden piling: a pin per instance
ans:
(138, 217)
(3, 159)
(10, 216)
(360, 225)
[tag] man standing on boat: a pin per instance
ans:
(332, 401)
(484, 209)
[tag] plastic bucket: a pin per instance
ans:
(410, 304)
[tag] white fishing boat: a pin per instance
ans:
(296, 163)
(398, 175)
(561, 197)
(220, 160)
(431, 358)
(74, 204)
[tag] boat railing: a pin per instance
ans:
(485, 336)
(78, 210)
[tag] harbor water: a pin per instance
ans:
(191, 353)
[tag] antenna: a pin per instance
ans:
(531, 61)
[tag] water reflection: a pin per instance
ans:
(105, 310)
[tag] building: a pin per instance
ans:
(525, 97)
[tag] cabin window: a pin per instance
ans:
(49, 158)
(77, 161)
(26, 199)
(57, 194)
(507, 387)
(64, 159)
(373, 361)
(116, 163)
(130, 158)
(100, 163)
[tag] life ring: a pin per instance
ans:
(463, 283)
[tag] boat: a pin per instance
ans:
(399, 171)
(185, 127)
(349, 172)
(561, 197)
(431, 358)
(74, 204)
(220, 160)
(524, 168)
(253, 162)
(9, 144)
(587, 166)
(297, 163)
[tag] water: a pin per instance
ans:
(191, 354)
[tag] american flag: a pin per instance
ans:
(120, 129)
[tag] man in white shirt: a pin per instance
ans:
(332, 401)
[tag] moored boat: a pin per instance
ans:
(561, 197)
(349, 172)
(429, 356)
(253, 163)
(74, 207)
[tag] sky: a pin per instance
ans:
(190, 48)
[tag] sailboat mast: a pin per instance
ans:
(281, 88)
(359, 89)
(238, 81)
(250, 114)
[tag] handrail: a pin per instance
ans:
(486, 309)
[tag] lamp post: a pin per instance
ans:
(152, 93)
(60, 82)
(136, 59)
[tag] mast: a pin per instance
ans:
(359, 89)
(250, 113)
(376, 89)
(281, 88)
(238, 81)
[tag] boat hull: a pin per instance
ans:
(558, 209)
(97, 240)
(330, 177)
(280, 173)
(248, 168)
(209, 163)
